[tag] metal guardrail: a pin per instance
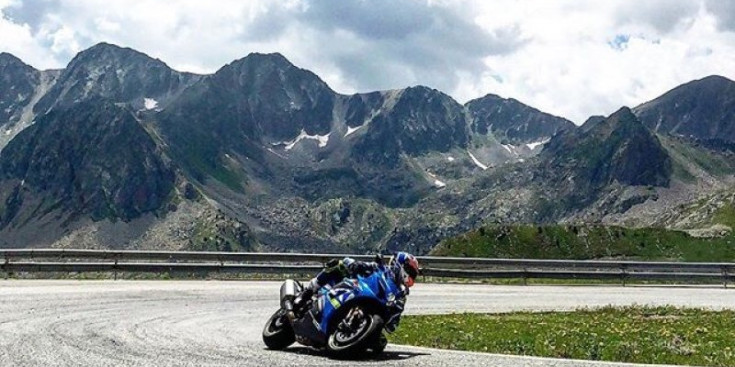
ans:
(61, 260)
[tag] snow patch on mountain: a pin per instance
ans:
(477, 162)
(533, 146)
(510, 148)
(351, 130)
(438, 183)
(322, 139)
(150, 103)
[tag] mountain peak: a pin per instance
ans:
(624, 113)
(10, 59)
(105, 53)
(591, 122)
(421, 88)
(715, 79)
(120, 74)
(423, 93)
(619, 148)
(702, 109)
(711, 82)
(274, 57)
(622, 121)
(261, 71)
(108, 46)
(487, 98)
(513, 121)
(256, 60)
(7, 56)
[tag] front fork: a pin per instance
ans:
(355, 315)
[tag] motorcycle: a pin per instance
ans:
(346, 319)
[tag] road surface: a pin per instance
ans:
(218, 323)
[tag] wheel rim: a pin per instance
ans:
(276, 323)
(347, 334)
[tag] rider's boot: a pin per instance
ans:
(306, 294)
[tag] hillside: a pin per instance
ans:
(119, 150)
(587, 242)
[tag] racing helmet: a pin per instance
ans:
(405, 267)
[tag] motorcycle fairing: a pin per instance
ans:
(312, 328)
(356, 289)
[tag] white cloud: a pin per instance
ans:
(568, 57)
(570, 68)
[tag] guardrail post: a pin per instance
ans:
(525, 276)
(115, 267)
(725, 276)
(220, 268)
(623, 274)
(5, 267)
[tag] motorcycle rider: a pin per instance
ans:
(403, 267)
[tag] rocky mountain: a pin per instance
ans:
(702, 109)
(92, 159)
(121, 75)
(513, 122)
(617, 149)
(17, 83)
(305, 139)
(21, 86)
(585, 164)
(128, 153)
(581, 175)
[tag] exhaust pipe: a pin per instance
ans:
(289, 289)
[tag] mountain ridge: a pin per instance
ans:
(263, 154)
(682, 110)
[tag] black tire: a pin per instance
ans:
(278, 332)
(378, 345)
(365, 340)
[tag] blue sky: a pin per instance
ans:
(571, 58)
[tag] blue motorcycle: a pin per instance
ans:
(346, 319)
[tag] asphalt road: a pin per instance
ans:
(217, 323)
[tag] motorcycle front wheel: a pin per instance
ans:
(278, 332)
(356, 335)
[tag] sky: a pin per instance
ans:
(570, 58)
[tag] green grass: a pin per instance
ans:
(683, 153)
(662, 335)
(584, 242)
(581, 282)
(725, 215)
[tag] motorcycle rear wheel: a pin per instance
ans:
(278, 332)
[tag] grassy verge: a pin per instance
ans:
(663, 335)
(582, 282)
(580, 242)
